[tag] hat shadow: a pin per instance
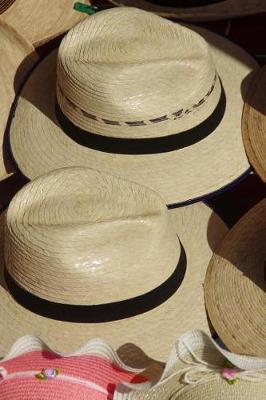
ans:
(251, 264)
(22, 72)
(134, 357)
(257, 100)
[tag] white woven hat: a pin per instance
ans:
(198, 10)
(18, 57)
(200, 369)
(107, 256)
(141, 97)
(41, 21)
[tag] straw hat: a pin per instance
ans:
(103, 254)
(143, 101)
(41, 21)
(4, 4)
(200, 369)
(235, 285)
(254, 124)
(18, 57)
(31, 370)
(198, 10)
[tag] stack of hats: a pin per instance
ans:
(119, 130)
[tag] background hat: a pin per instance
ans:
(129, 104)
(254, 124)
(235, 285)
(32, 370)
(199, 369)
(18, 57)
(198, 10)
(41, 21)
(123, 243)
(4, 4)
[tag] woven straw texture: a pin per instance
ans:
(5, 4)
(19, 58)
(92, 372)
(235, 285)
(254, 124)
(42, 21)
(195, 371)
(63, 205)
(221, 10)
(135, 72)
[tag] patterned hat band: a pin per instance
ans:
(153, 145)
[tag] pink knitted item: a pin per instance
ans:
(90, 374)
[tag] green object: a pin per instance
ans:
(90, 10)
(228, 364)
(232, 381)
(40, 376)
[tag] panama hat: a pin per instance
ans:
(42, 21)
(199, 368)
(254, 124)
(91, 255)
(18, 57)
(31, 370)
(152, 102)
(235, 285)
(198, 10)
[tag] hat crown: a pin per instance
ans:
(125, 66)
(74, 234)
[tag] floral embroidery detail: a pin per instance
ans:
(47, 373)
(230, 374)
(3, 373)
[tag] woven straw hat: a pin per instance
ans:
(142, 100)
(104, 255)
(19, 57)
(31, 370)
(200, 369)
(235, 285)
(4, 4)
(41, 21)
(254, 124)
(198, 10)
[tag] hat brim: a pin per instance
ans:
(254, 124)
(39, 23)
(171, 384)
(235, 285)
(18, 57)
(200, 230)
(221, 10)
(39, 144)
